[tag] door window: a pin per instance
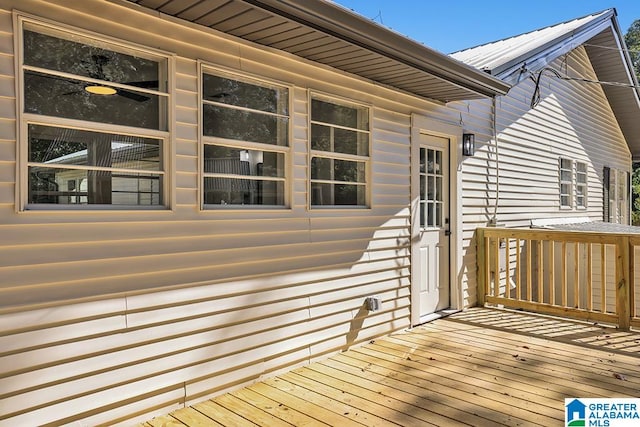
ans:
(431, 188)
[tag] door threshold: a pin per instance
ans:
(437, 315)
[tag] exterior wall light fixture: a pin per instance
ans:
(468, 144)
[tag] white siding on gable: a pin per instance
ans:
(572, 120)
(108, 317)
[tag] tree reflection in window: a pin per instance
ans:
(340, 154)
(70, 166)
(246, 135)
(72, 86)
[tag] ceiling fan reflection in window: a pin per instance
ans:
(96, 71)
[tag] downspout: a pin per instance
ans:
(494, 219)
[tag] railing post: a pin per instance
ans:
(632, 279)
(623, 303)
(481, 256)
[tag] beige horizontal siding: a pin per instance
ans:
(109, 316)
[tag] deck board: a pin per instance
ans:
(480, 367)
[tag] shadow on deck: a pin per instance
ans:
(480, 367)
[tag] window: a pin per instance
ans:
(581, 185)
(76, 87)
(616, 195)
(431, 187)
(566, 183)
(245, 126)
(339, 147)
(573, 184)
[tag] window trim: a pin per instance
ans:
(24, 119)
(573, 184)
(585, 185)
(570, 182)
(207, 67)
(367, 160)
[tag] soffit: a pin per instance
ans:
(327, 33)
(609, 64)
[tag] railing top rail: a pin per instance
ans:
(559, 235)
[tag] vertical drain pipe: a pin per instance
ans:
(494, 125)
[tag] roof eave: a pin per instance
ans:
(339, 22)
(540, 57)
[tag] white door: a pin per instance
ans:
(433, 258)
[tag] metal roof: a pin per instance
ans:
(513, 59)
(501, 57)
(327, 33)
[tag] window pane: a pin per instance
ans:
(341, 115)
(337, 194)
(351, 142)
(423, 160)
(430, 161)
(61, 146)
(565, 175)
(95, 62)
(233, 191)
(320, 137)
(431, 188)
(565, 164)
(242, 125)
(246, 95)
(581, 178)
(77, 186)
(72, 101)
(430, 214)
(239, 161)
(337, 170)
(581, 193)
(423, 211)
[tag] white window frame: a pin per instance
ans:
(207, 68)
(566, 182)
(340, 156)
(573, 183)
(25, 119)
(584, 185)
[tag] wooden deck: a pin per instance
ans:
(481, 367)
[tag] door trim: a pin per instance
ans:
(452, 131)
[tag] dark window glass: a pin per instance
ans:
(62, 161)
(90, 96)
(74, 57)
(337, 170)
(245, 95)
(82, 187)
(340, 115)
(238, 191)
(323, 194)
(72, 101)
(244, 125)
